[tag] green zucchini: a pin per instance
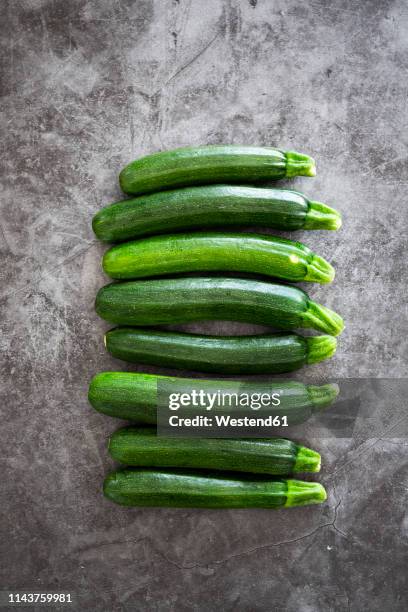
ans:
(257, 354)
(212, 164)
(202, 251)
(135, 395)
(211, 206)
(181, 300)
(189, 489)
(142, 447)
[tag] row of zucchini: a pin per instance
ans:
(177, 193)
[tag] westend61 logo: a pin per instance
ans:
(221, 399)
(189, 411)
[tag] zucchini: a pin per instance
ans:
(193, 489)
(211, 206)
(180, 300)
(135, 395)
(212, 164)
(142, 447)
(259, 354)
(202, 251)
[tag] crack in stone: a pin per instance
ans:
(337, 529)
(263, 547)
(251, 551)
(188, 566)
(244, 553)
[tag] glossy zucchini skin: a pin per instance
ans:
(216, 251)
(181, 300)
(211, 206)
(142, 447)
(212, 164)
(200, 489)
(134, 395)
(256, 354)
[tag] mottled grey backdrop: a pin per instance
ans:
(89, 85)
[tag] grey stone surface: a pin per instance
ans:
(90, 85)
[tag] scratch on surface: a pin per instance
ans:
(114, 543)
(334, 8)
(37, 278)
(11, 48)
(386, 163)
(165, 98)
(46, 41)
(395, 443)
(368, 448)
(129, 109)
(60, 112)
(6, 242)
(132, 130)
(194, 59)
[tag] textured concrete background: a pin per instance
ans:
(88, 86)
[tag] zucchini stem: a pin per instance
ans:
(320, 348)
(298, 164)
(307, 460)
(319, 270)
(321, 216)
(322, 396)
(323, 319)
(300, 493)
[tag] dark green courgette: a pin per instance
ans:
(201, 251)
(142, 447)
(180, 300)
(257, 354)
(135, 396)
(188, 489)
(211, 206)
(212, 164)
